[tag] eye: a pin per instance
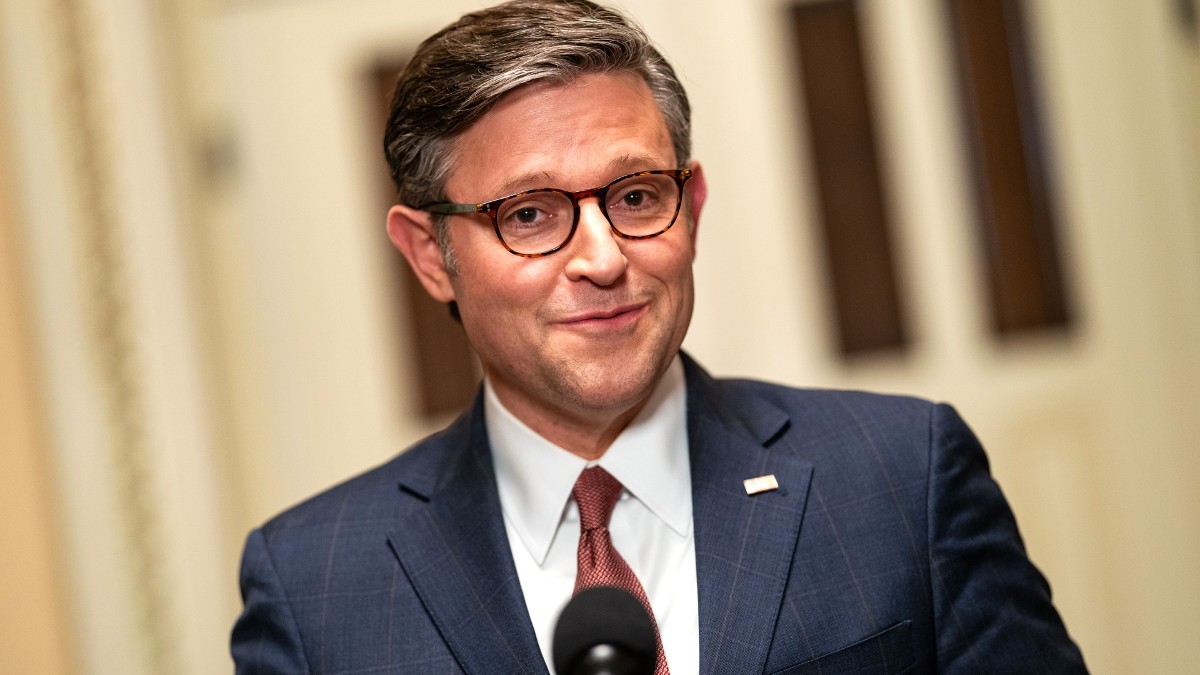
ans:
(526, 215)
(635, 198)
(535, 211)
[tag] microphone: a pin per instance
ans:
(604, 631)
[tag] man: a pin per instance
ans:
(540, 151)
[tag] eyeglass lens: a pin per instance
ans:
(541, 220)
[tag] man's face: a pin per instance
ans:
(581, 335)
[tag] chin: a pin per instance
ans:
(617, 380)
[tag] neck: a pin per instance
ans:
(577, 424)
(588, 435)
(590, 441)
(585, 432)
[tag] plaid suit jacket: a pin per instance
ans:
(887, 549)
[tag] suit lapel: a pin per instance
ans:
(452, 545)
(744, 543)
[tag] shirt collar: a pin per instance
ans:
(649, 457)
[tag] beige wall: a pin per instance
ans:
(118, 355)
(34, 629)
(247, 272)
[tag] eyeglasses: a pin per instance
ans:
(538, 222)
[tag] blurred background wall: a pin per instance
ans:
(199, 324)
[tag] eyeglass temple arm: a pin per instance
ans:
(453, 208)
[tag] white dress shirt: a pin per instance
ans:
(651, 525)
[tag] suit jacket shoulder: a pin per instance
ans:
(404, 568)
(367, 495)
(906, 555)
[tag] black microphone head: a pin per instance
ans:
(604, 631)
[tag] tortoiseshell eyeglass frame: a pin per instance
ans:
(492, 208)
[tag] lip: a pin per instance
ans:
(605, 319)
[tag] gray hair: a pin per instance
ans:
(458, 74)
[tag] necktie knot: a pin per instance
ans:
(596, 493)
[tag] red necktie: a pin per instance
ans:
(596, 492)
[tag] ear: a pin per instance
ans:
(411, 231)
(696, 191)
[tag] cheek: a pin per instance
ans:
(675, 267)
(503, 290)
(683, 291)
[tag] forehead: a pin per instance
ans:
(575, 134)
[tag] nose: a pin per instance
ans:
(595, 251)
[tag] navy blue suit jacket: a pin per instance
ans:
(887, 549)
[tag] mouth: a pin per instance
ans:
(605, 319)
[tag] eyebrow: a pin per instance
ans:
(539, 179)
(629, 163)
(525, 181)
